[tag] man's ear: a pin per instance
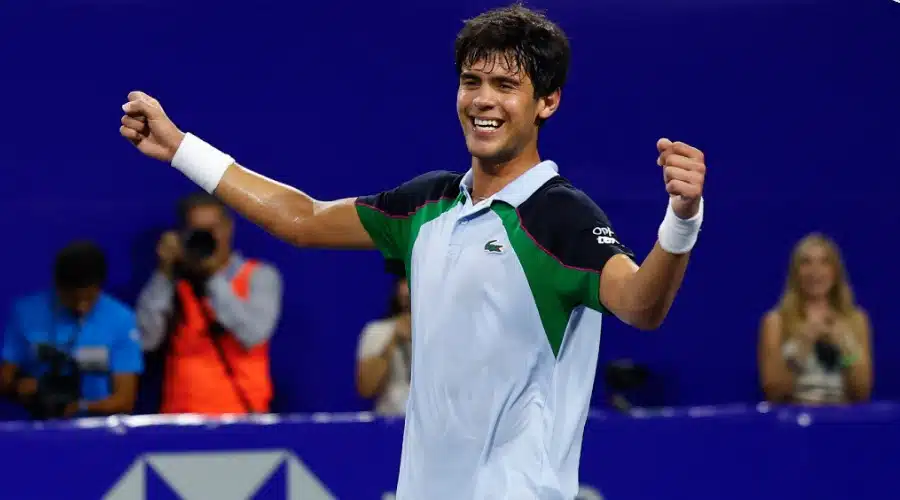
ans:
(548, 105)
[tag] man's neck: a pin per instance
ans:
(488, 179)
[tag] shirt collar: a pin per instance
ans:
(521, 188)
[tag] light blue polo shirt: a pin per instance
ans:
(506, 329)
(108, 330)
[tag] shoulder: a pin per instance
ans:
(377, 327)
(32, 304)
(772, 318)
(374, 337)
(770, 324)
(409, 196)
(264, 271)
(860, 320)
(558, 196)
(566, 223)
(561, 206)
(114, 309)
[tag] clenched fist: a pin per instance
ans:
(684, 171)
(146, 125)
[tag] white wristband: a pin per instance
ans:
(677, 235)
(200, 162)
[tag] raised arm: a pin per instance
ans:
(290, 214)
(642, 296)
(285, 212)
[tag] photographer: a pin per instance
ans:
(211, 313)
(72, 351)
(383, 355)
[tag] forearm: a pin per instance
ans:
(778, 383)
(371, 376)
(122, 398)
(648, 295)
(115, 403)
(858, 379)
(278, 208)
(154, 306)
(290, 214)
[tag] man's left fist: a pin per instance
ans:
(684, 172)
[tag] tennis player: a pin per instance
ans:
(511, 268)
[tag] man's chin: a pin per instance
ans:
(491, 158)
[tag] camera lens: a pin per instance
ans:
(199, 244)
(828, 354)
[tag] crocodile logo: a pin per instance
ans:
(493, 247)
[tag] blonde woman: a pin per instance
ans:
(815, 345)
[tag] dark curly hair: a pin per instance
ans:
(524, 38)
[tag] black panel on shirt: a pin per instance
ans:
(403, 201)
(570, 226)
(409, 196)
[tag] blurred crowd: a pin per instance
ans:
(206, 316)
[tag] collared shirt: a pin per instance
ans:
(104, 341)
(252, 321)
(506, 328)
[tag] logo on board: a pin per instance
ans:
(227, 474)
(493, 247)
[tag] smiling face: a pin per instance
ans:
(816, 271)
(498, 110)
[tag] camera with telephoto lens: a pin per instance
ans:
(828, 354)
(59, 386)
(199, 244)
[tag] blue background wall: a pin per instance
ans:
(794, 102)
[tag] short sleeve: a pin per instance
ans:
(374, 338)
(125, 353)
(15, 345)
(388, 216)
(565, 223)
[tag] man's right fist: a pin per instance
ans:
(146, 125)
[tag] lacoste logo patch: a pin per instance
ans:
(493, 247)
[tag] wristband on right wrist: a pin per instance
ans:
(676, 235)
(201, 162)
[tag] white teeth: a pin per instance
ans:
(486, 123)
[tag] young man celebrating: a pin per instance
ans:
(510, 267)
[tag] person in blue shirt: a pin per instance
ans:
(75, 324)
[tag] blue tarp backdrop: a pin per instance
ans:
(795, 104)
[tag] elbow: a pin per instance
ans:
(777, 389)
(648, 325)
(364, 389)
(300, 230)
(125, 407)
(861, 394)
(366, 383)
(775, 393)
(251, 337)
(646, 320)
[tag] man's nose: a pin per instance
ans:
(485, 99)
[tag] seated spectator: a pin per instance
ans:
(211, 312)
(383, 356)
(814, 346)
(72, 351)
